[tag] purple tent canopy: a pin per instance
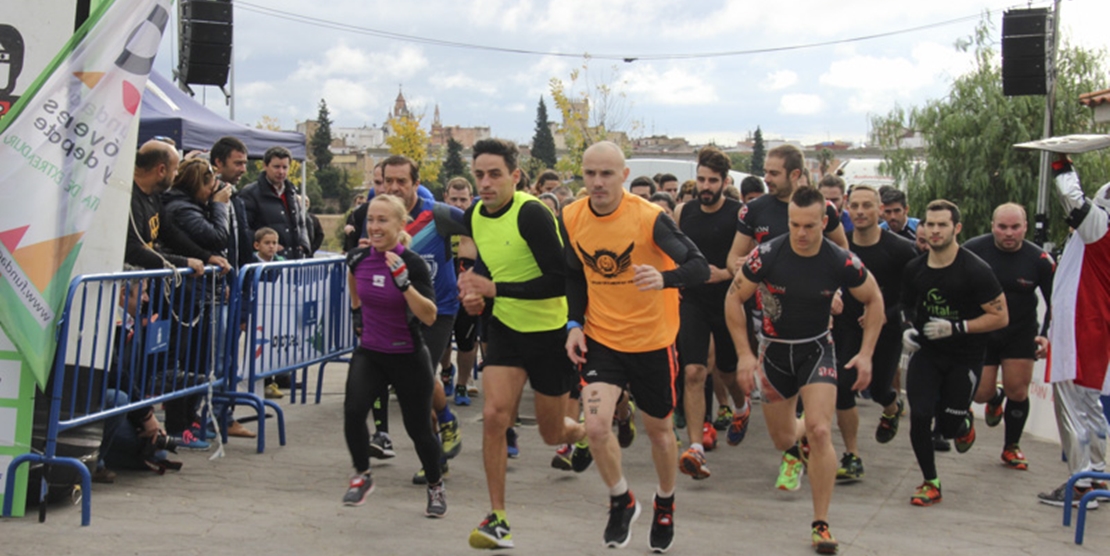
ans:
(170, 112)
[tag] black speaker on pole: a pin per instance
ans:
(204, 44)
(1025, 44)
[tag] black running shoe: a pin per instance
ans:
(581, 459)
(381, 446)
(623, 511)
(662, 527)
(940, 444)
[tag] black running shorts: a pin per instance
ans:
(698, 324)
(786, 367)
(543, 355)
(1009, 343)
(648, 376)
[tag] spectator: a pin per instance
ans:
(315, 230)
(155, 168)
(272, 201)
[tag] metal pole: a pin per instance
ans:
(1040, 234)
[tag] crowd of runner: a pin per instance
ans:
(659, 300)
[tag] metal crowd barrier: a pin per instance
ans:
(296, 314)
(147, 334)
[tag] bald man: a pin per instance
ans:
(1022, 267)
(155, 169)
(626, 260)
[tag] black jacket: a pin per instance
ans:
(188, 221)
(265, 209)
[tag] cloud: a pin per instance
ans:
(799, 104)
(352, 101)
(342, 60)
(673, 87)
(462, 82)
(874, 82)
(778, 80)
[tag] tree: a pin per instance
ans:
(543, 143)
(740, 162)
(969, 156)
(593, 109)
(824, 158)
(406, 137)
(268, 123)
(321, 138)
(454, 166)
(759, 153)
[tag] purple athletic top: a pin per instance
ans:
(388, 326)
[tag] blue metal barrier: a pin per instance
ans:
(296, 315)
(1069, 499)
(146, 334)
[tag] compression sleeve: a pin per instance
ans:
(1046, 270)
(692, 269)
(537, 227)
(576, 287)
(1089, 221)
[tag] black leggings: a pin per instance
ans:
(884, 364)
(939, 386)
(436, 338)
(369, 376)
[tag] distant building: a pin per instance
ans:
(465, 135)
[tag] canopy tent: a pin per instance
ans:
(168, 111)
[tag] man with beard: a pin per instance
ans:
(707, 221)
(951, 299)
(155, 168)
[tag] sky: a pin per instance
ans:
(283, 67)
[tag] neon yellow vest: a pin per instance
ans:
(509, 259)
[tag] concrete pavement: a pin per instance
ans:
(287, 500)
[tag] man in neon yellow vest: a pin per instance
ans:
(518, 243)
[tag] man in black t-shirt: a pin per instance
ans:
(766, 218)
(950, 299)
(707, 221)
(1021, 267)
(796, 278)
(885, 255)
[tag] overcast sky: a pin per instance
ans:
(284, 67)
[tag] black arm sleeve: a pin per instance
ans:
(537, 227)
(1046, 267)
(577, 291)
(358, 220)
(420, 277)
(692, 269)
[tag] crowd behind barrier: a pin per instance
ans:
(129, 341)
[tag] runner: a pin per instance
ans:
(796, 278)
(707, 222)
(517, 239)
(951, 299)
(626, 261)
(395, 287)
(885, 255)
(1021, 267)
(766, 218)
(431, 225)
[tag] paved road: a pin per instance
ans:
(287, 501)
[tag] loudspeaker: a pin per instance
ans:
(204, 46)
(1024, 51)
